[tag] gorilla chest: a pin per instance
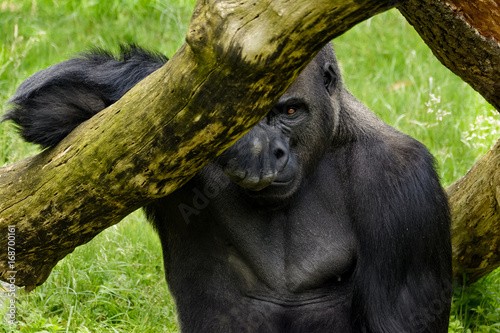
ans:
(305, 247)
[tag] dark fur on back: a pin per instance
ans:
(51, 103)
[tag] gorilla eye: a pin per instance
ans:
(291, 110)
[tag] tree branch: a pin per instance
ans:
(464, 35)
(474, 201)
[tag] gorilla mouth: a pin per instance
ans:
(281, 182)
(287, 176)
(278, 191)
(262, 186)
(277, 181)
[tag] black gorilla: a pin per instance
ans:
(321, 219)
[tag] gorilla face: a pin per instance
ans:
(273, 158)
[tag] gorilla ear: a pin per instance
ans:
(330, 78)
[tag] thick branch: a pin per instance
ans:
(464, 35)
(474, 201)
(239, 57)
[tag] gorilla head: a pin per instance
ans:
(271, 160)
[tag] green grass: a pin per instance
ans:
(115, 283)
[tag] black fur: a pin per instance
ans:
(51, 103)
(321, 219)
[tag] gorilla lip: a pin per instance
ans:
(281, 182)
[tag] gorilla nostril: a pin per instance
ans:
(279, 153)
(280, 149)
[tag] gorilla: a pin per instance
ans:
(322, 218)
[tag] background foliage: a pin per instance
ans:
(115, 283)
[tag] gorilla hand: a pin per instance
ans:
(259, 159)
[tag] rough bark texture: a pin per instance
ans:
(240, 56)
(464, 35)
(474, 200)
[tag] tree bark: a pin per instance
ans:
(474, 201)
(464, 35)
(239, 57)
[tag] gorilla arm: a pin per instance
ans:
(401, 218)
